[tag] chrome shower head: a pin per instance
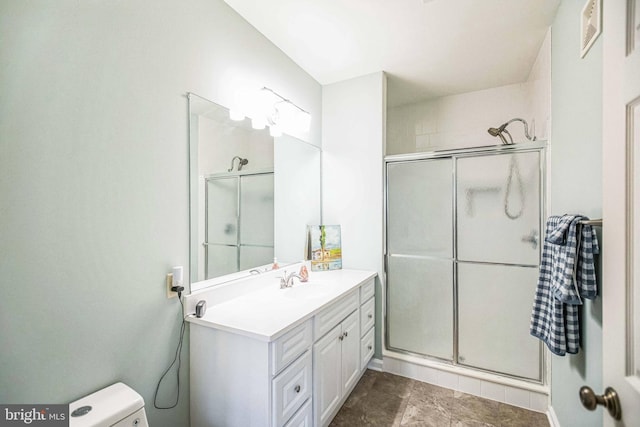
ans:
(500, 131)
(494, 131)
(241, 162)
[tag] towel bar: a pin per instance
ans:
(597, 222)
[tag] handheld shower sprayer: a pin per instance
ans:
(241, 162)
(500, 131)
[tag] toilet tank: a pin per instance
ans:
(115, 406)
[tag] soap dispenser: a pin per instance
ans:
(275, 265)
(304, 273)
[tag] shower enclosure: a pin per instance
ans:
(462, 255)
(238, 222)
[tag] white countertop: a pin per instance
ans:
(267, 312)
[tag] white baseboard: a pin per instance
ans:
(534, 397)
(375, 365)
(553, 418)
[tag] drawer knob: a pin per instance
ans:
(369, 347)
(346, 333)
(297, 388)
(341, 337)
(370, 315)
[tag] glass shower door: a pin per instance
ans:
(498, 208)
(420, 257)
(498, 244)
(463, 250)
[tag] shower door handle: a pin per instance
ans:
(531, 238)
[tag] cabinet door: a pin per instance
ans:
(327, 387)
(350, 351)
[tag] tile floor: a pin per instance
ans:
(382, 399)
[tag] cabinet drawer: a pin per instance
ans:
(334, 314)
(367, 290)
(288, 347)
(291, 389)
(367, 348)
(367, 315)
(303, 418)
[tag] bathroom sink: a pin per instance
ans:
(307, 290)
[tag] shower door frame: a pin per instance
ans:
(454, 154)
(219, 176)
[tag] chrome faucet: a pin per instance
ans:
(287, 280)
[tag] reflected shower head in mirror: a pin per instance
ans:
(241, 162)
(500, 131)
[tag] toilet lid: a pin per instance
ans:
(105, 407)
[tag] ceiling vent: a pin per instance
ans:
(590, 25)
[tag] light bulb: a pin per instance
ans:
(258, 123)
(275, 131)
(236, 115)
(287, 115)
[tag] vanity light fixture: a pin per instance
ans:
(269, 108)
(281, 112)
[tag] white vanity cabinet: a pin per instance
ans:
(278, 359)
(336, 368)
(341, 356)
(367, 322)
(241, 381)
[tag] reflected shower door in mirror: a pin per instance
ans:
(243, 186)
(238, 222)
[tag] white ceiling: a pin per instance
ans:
(428, 48)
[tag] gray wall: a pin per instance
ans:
(576, 187)
(94, 187)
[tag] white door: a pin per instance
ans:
(621, 272)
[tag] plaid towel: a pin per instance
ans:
(567, 275)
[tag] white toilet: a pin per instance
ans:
(115, 406)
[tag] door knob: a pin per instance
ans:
(609, 400)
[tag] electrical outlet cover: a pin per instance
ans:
(170, 293)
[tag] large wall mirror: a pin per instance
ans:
(251, 195)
